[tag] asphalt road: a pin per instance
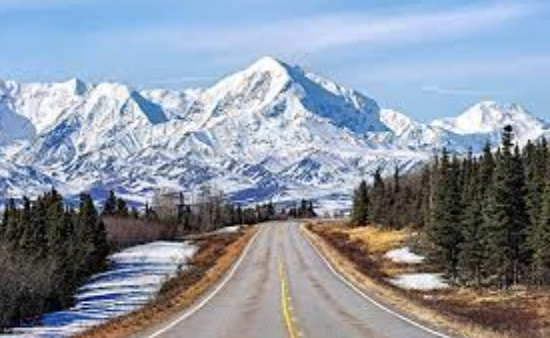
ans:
(283, 288)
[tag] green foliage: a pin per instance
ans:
(68, 245)
(115, 206)
(378, 199)
(541, 241)
(506, 218)
(110, 206)
(445, 231)
(361, 205)
(487, 217)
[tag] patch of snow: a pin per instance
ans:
(136, 276)
(229, 230)
(419, 281)
(405, 256)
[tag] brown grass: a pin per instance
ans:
(462, 312)
(517, 312)
(215, 257)
(379, 240)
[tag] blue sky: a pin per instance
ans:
(426, 58)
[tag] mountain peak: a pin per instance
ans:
(489, 117)
(74, 85)
(269, 63)
(396, 121)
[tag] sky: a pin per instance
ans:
(428, 59)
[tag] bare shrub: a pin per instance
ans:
(124, 232)
(26, 285)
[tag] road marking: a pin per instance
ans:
(219, 288)
(289, 319)
(367, 297)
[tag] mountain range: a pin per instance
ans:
(273, 131)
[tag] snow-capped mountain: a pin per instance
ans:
(489, 117)
(271, 131)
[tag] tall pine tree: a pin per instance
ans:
(444, 230)
(361, 205)
(505, 217)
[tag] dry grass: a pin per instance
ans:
(378, 240)
(215, 257)
(460, 312)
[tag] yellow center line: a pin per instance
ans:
(288, 317)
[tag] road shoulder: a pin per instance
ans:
(389, 299)
(179, 294)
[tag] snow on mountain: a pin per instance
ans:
(272, 131)
(490, 117)
(407, 133)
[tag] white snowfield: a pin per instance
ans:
(270, 132)
(404, 256)
(136, 276)
(420, 281)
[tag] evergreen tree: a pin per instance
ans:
(122, 208)
(471, 255)
(360, 212)
(58, 248)
(91, 233)
(506, 217)
(444, 231)
(378, 200)
(57, 229)
(110, 206)
(487, 170)
(395, 203)
(541, 242)
(425, 197)
(536, 168)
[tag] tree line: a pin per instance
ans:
(487, 217)
(47, 250)
(211, 210)
(395, 202)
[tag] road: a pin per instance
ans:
(283, 288)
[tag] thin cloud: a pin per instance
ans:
(183, 79)
(495, 66)
(458, 91)
(324, 32)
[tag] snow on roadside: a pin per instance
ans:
(405, 256)
(136, 276)
(419, 281)
(229, 229)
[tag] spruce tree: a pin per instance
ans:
(56, 227)
(122, 208)
(378, 199)
(426, 197)
(487, 169)
(505, 217)
(110, 206)
(471, 249)
(13, 228)
(360, 212)
(395, 202)
(541, 242)
(90, 231)
(444, 231)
